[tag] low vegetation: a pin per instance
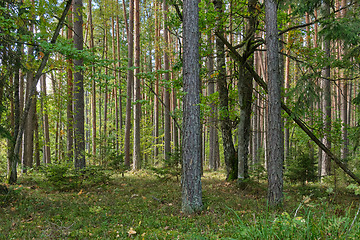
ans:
(141, 205)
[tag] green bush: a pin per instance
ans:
(62, 177)
(302, 169)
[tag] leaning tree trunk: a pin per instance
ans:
(275, 138)
(79, 133)
(225, 123)
(191, 136)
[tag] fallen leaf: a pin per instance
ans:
(131, 232)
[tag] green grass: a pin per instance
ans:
(141, 202)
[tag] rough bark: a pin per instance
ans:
(275, 139)
(245, 85)
(157, 68)
(93, 84)
(137, 93)
(79, 133)
(167, 122)
(326, 105)
(225, 122)
(191, 141)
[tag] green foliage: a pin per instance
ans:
(62, 177)
(9, 195)
(170, 168)
(302, 168)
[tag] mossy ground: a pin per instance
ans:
(142, 206)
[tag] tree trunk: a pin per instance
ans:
(137, 93)
(167, 123)
(245, 85)
(69, 108)
(79, 136)
(47, 153)
(157, 68)
(225, 123)
(191, 141)
(129, 85)
(275, 139)
(326, 102)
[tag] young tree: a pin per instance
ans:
(191, 141)
(275, 138)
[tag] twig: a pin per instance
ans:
(352, 224)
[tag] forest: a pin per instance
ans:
(179, 119)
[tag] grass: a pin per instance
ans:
(142, 206)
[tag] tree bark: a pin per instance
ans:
(275, 138)
(79, 134)
(167, 123)
(69, 105)
(130, 81)
(137, 93)
(225, 122)
(245, 85)
(191, 141)
(326, 104)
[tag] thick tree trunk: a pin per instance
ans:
(79, 134)
(275, 139)
(191, 141)
(129, 85)
(225, 123)
(137, 93)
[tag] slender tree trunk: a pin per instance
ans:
(119, 99)
(69, 108)
(130, 81)
(191, 142)
(325, 165)
(157, 76)
(167, 122)
(79, 134)
(275, 139)
(47, 153)
(225, 123)
(137, 93)
(245, 85)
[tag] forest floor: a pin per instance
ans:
(140, 205)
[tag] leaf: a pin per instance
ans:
(131, 232)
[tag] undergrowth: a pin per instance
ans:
(142, 206)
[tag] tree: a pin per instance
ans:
(275, 139)
(137, 93)
(225, 122)
(191, 132)
(130, 80)
(79, 134)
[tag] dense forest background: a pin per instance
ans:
(101, 83)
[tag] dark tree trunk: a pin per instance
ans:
(69, 105)
(231, 161)
(275, 138)
(191, 136)
(79, 134)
